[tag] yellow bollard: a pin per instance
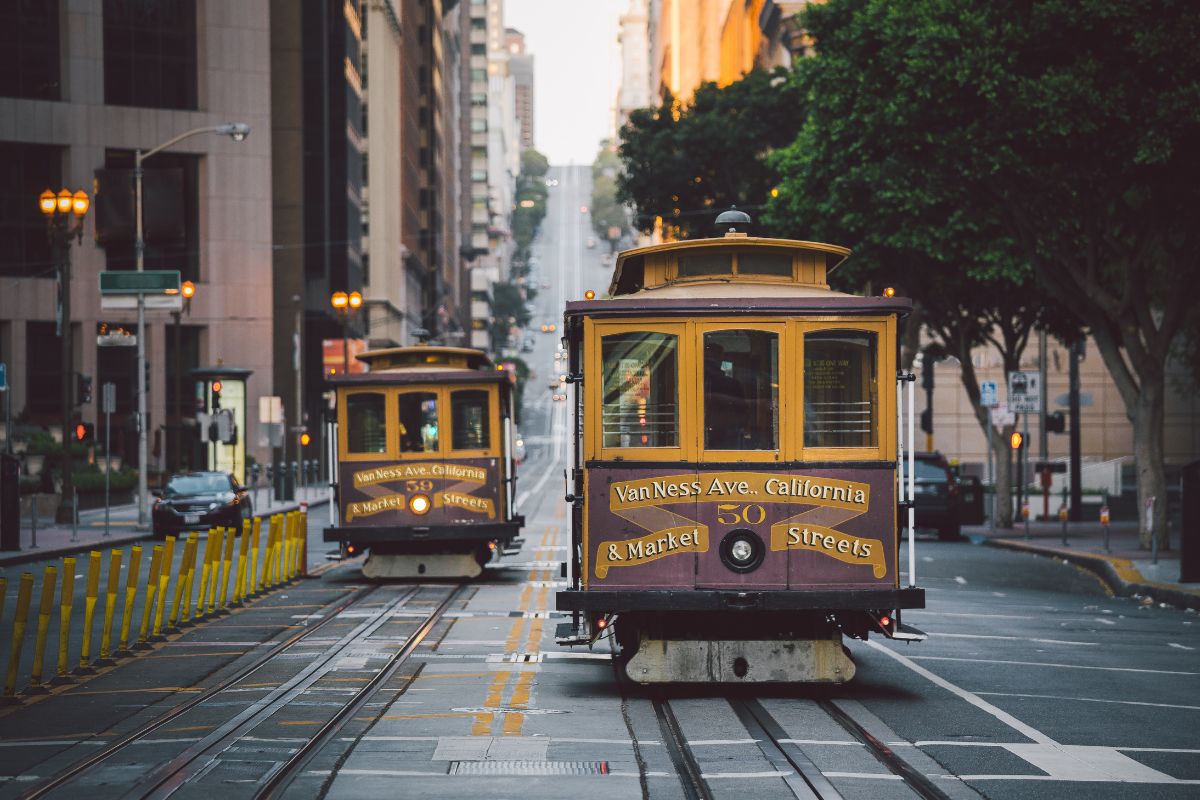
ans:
(150, 596)
(49, 579)
(193, 550)
(110, 605)
(24, 592)
(204, 567)
(214, 572)
(302, 566)
(65, 604)
(180, 583)
(164, 579)
(131, 582)
(286, 561)
(253, 586)
(89, 612)
(265, 581)
(239, 581)
(277, 558)
(226, 566)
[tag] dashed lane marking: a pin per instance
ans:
(1050, 664)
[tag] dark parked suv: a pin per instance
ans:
(937, 496)
(200, 500)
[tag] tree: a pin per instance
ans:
(1072, 124)
(687, 163)
(530, 198)
(610, 217)
(843, 180)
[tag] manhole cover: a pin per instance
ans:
(528, 767)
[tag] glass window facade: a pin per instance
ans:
(840, 389)
(741, 390)
(366, 423)
(150, 53)
(470, 421)
(418, 422)
(640, 390)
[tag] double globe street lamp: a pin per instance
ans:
(64, 213)
(346, 306)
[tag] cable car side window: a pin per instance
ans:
(418, 422)
(751, 262)
(469, 420)
(366, 423)
(640, 403)
(695, 264)
(741, 390)
(840, 389)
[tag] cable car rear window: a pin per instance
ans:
(840, 394)
(741, 390)
(418, 422)
(366, 423)
(469, 420)
(641, 390)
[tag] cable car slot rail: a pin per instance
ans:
(104, 755)
(799, 773)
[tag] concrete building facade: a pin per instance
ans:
(79, 103)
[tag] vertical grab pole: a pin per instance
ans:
(912, 465)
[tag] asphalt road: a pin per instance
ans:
(1034, 683)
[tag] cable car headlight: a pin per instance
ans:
(742, 550)
(419, 504)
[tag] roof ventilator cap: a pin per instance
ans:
(738, 222)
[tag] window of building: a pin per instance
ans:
(150, 53)
(418, 422)
(741, 390)
(366, 423)
(26, 170)
(43, 373)
(840, 389)
(29, 49)
(640, 405)
(479, 125)
(470, 420)
(170, 212)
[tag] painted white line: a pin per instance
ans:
(1180, 646)
(821, 742)
(960, 580)
(1086, 779)
(876, 776)
(1091, 700)
(180, 740)
(708, 776)
(1050, 664)
(1009, 638)
(1104, 621)
(722, 741)
(1028, 731)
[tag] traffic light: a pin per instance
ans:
(83, 389)
(85, 432)
(305, 439)
(927, 421)
(216, 395)
(1056, 423)
(1016, 440)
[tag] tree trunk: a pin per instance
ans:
(1147, 419)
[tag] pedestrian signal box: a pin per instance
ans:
(85, 432)
(1016, 440)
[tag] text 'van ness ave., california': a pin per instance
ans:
(722, 486)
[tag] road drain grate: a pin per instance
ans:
(528, 767)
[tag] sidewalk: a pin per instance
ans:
(1124, 566)
(54, 540)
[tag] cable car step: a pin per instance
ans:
(907, 633)
(567, 634)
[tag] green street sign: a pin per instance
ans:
(160, 281)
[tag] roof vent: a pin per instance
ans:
(736, 222)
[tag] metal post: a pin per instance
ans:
(298, 365)
(75, 514)
(107, 454)
(912, 466)
(61, 246)
(1150, 527)
(1062, 514)
(178, 428)
(139, 249)
(991, 468)
(33, 522)
(1043, 437)
(1104, 521)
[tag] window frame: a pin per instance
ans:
(392, 394)
(494, 430)
(735, 253)
(781, 330)
(594, 332)
(389, 424)
(791, 331)
(394, 431)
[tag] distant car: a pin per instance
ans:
(198, 501)
(937, 496)
(549, 327)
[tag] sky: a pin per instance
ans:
(576, 66)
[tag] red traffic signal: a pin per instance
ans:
(84, 432)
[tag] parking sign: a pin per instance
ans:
(988, 396)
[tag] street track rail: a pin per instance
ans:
(70, 773)
(191, 764)
(799, 773)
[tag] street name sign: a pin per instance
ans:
(1024, 392)
(988, 396)
(152, 281)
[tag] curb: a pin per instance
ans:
(1118, 574)
(41, 554)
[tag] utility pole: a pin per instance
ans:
(1077, 352)
(1043, 439)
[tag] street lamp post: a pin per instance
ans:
(188, 290)
(346, 306)
(237, 131)
(64, 214)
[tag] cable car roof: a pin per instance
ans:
(425, 357)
